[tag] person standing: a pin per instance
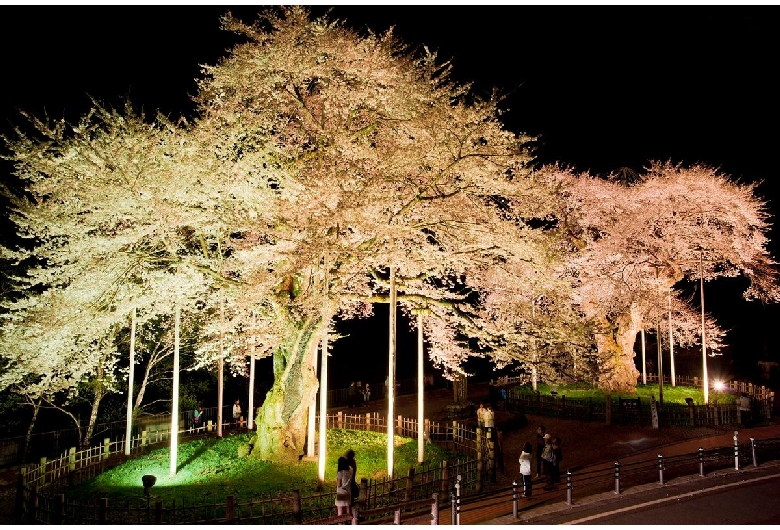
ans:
(352, 394)
(343, 479)
(481, 416)
(366, 395)
(539, 448)
(548, 457)
(354, 490)
(552, 457)
(236, 411)
(525, 469)
(196, 414)
(489, 418)
(556, 465)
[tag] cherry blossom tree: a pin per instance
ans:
(358, 154)
(632, 244)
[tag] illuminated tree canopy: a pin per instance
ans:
(320, 158)
(631, 244)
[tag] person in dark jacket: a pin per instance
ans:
(540, 441)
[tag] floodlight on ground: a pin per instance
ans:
(719, 385)
(148, 481)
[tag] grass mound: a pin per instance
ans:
(672, 394)
(211, 467)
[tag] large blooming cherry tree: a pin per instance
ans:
(372, 160)
(631, 244)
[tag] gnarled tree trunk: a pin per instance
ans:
(615, 343)
(282, 420)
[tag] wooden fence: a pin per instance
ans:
(41, 494)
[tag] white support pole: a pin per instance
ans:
(130, 377)
(221, 369)
(250, 413)
(323, 385)
(534, 371)
(311, 427)
(644, 363)
(175, 401)
(391, 378)
(705, 379)
(671, 343)
(420, 390)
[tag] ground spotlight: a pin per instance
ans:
(719, 385)
(149, 481)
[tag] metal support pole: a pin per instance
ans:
(569, 487)
(701, 462)
(736, 450)
(753, 449)
(457, 500)
(617, 478)
(452, 510)
(660, 469)
(514, 499)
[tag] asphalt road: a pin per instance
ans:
(724, 498)
(751, 502)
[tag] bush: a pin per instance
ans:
(244, 450)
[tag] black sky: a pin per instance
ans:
(605, 86)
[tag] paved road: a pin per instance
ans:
(748, 496)
(754, 501)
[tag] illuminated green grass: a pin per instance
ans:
(210, 467)
(676, 394)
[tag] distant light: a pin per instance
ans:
(719, 385)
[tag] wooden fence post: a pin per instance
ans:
(106, 448)
(43, 471)
(445, 478)
(231, 499)
(59, 509)
(340, 419)
(103, 510)
(20, 495)
(368, 421)
(297, 512)
(491, 456)
(410, 485)
(158, 509)
(479, 460)
(399, 425)
(363, 495)
(144, 438)
(72, 459)
(33, 513)
(435, 509)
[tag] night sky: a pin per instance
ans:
(605, 86)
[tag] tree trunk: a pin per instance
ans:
(282, 420)
(36, 408)
(617, 372)
(99, 394)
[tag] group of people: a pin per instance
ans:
(347, 490)
(359, 396)
(548, 460)
(486, 418)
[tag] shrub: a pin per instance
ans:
(244, 450)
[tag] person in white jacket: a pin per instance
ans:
(525, 469)
(490, 418)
